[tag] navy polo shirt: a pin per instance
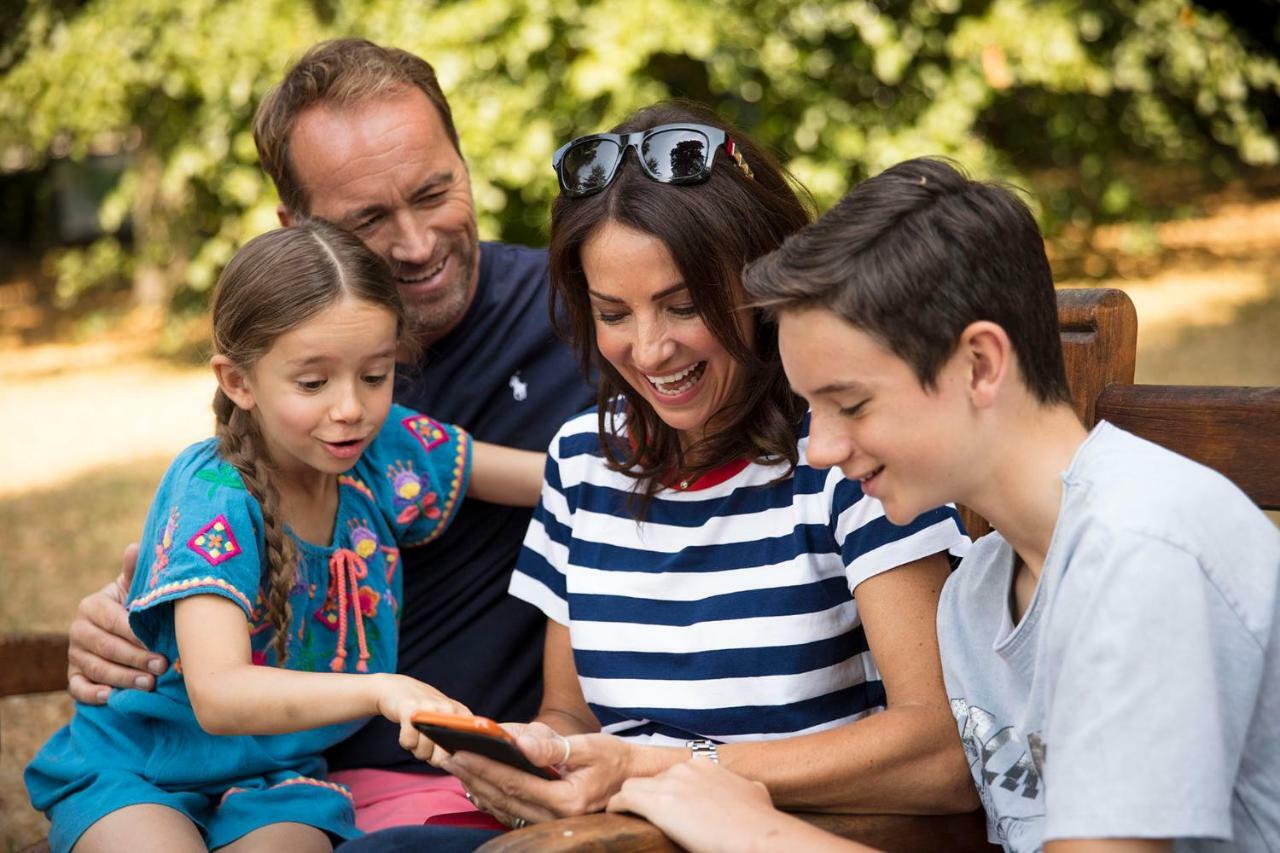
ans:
(505, 377)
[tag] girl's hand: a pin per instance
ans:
(597, 766)
(399, 697)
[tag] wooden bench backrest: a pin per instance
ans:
(1235, 431)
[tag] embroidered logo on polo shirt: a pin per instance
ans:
(215, 541)
(519, 388)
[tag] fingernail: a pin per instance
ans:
(155, 665)
(142, 682)
(103, 695)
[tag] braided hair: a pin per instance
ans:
(275, 283)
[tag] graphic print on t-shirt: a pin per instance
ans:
(1008, 769)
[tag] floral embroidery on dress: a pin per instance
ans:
(357, 484)
(224, 475)
(163, 547)
(430, 433)
(411, 495)
(363, 540)
(215, 541)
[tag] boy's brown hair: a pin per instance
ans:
(336, 73)
(916, 254)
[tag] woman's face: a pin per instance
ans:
(648, 328)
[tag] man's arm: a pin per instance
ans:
(103, 652)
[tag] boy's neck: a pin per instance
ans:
(1022, 494)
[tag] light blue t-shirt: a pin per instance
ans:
(1139, 695)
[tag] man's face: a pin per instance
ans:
(385, 170)
(910, 447)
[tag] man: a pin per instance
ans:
(362, 136)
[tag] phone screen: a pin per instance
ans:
(498, 747)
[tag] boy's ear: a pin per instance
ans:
(989, 355)
(233, 381)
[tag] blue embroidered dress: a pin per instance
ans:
(204, 535)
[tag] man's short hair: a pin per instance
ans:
(916, 254)
(340, 73)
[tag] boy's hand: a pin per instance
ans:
(400, 697)
(103, 651)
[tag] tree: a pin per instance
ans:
(839, 88)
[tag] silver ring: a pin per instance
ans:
(519, 823)
(470, 799)
(568, 749)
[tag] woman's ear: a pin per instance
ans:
(989, 355)
(233, 381)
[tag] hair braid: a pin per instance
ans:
(240, 444)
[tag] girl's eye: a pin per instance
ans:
(310, 384)
(854, 410)
(375, 379)
(610, 319)
(689, 310)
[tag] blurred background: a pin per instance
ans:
(1143, 131)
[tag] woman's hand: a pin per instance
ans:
(704, 807)
(399, 697)
(596, 766)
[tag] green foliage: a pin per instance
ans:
(838, 88)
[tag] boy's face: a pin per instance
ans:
(872, 418)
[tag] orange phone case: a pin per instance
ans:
(481, 735)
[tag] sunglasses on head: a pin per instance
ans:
(668, 153)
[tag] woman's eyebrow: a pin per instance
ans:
(661, 294)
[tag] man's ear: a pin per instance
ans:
(285, 215)
(233, 381)
(989, 356)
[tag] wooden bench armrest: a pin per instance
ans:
(32, 663)
(1231, 430)
(962, 833)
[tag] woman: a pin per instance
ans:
(695, 571)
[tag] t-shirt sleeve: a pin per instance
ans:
(421, 467)
(870, 544)
(203, 537)
(539, 575)
(1152, 699)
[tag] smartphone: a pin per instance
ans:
(481, 735)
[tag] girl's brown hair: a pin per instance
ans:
(712, 230)
(275, 283)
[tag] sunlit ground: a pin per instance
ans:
(89, 429)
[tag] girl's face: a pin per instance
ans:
(322, 391)
(648, 328)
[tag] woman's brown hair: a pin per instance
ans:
(275, 283)
(712, 230)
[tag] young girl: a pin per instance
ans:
(269, 571)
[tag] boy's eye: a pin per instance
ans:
(854, 410)
(310, 384)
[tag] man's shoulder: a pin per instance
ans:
(506, 266)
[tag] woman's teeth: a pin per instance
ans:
(678, 382)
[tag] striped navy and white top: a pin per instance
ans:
(728, 613)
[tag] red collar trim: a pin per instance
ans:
(714, 477)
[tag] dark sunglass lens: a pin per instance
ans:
(675, 155)
(586, 166)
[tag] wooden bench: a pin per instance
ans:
(1234, 430)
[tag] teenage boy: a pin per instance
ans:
(1112, 652)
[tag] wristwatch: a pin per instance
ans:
(702, 748)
